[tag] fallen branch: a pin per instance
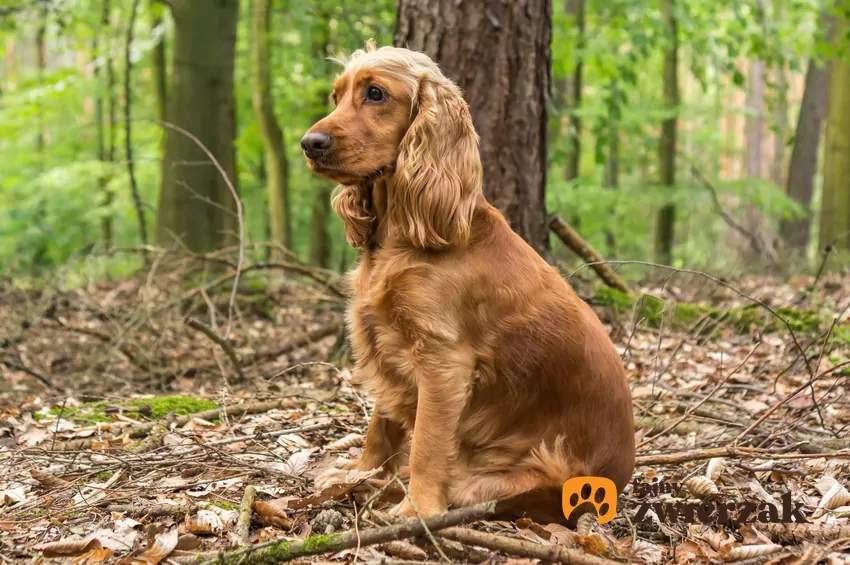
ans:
(580, 247)
(243, 524)
(524, 548)
(279, 551)
(221, 342)
(154, 511)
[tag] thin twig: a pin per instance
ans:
(239, 216)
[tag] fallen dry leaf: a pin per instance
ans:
(93, 556)
(48, 480)
(271, 514)
(404, 550)
(162, 547)
(68, 548)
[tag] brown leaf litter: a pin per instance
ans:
(730, 418)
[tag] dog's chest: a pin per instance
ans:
(380, 348)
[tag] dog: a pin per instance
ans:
(485, 366)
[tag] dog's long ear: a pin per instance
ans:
(352, 204)
(438, 172)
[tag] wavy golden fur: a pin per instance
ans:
(490, 375)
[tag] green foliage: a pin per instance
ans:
(51, 199)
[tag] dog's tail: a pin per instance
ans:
(543, 504)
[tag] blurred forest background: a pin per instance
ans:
(680, 131)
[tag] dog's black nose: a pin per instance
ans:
(315, 144)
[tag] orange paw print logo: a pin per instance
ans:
(598, 491)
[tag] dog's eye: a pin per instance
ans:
(336, 101)
(374, 94)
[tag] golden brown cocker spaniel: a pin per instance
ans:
(484, 364)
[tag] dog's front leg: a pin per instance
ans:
(384, 441)
(442, 395)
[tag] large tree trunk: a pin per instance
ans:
(835, 208)
(320, 241)
(804, 155)
(499, 54)
(666, 223)
(278, 173)
(196, 208)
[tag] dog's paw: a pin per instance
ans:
(406, 509)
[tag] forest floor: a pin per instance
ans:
(130, 430)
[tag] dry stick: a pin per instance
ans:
(730, 221)
(701, 402)
(24, 369)
(524, 548)
(155, 511)
(279, 551)
(240, 261)
(580, 247)
(221, 342)
(128, 140)
(243, 525)
(788, 398)
(730, 451)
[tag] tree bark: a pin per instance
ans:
(499, 54)
(278, 167)
(320, 241)
(196, 208)
(802, 166)
(835, 208)
(666, 223)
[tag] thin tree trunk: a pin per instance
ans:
(320, 241)
(754, 136)
(500, 57)
(575, 8)
(158, 66)
(279, 214)
(612, 174)
(128, 130)
(196, 207)
(835, 208)
(666, 223)
(100, 121)
(802, 166)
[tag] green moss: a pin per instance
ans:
(320, 543)
(225, 505)
(685, 315)
(94, 412)
(180, 405)
(286, 551)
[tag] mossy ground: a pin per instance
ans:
(95, 412)
(704, 319)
